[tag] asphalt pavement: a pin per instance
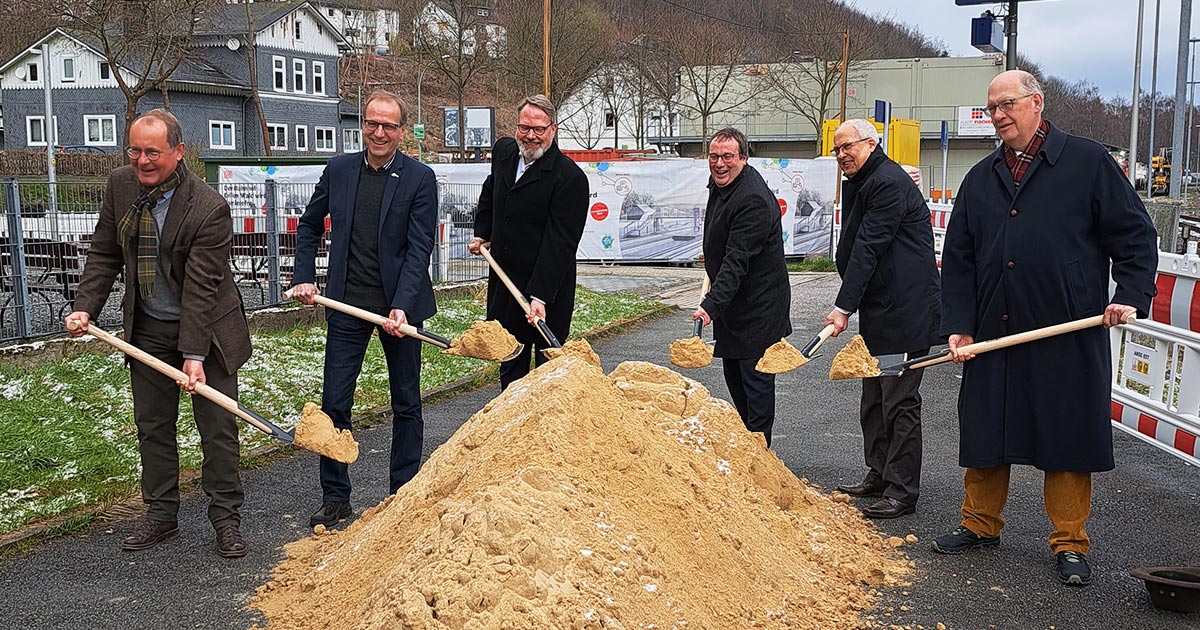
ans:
(1144, 513)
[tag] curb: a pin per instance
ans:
(45, 530)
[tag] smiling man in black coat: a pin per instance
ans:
(750, 299)
(1036, 228)
(889, 276)
(531, 215)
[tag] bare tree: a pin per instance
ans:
(581, 39)
(252, 63)
(579, 119)
(148, 39)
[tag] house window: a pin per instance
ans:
(105, 71)
(280, 72)
(330, 12)
(609, 119)
(68, 69)
(220, 134)
(100, 131)
(325, 139)
(35, 130)
(298, 75)
(351, 140)
(278, 136)
(298, 25)
(318, 77)
(32, 74)
(301, 138)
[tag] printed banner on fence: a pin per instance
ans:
(639, 210)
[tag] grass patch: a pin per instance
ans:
(812, 263)
(69, 439)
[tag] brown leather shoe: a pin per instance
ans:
(888, 507)
(148, 533)
(230, 543)
(862, 490)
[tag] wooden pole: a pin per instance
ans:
(546, 48)
(845, 71)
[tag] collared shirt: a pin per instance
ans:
(522, 167)
(1018, 161)
(385, 167)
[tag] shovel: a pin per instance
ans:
(897, 364)
(516, 293)
(810, 349)
(408, 329)
(203, 389)
(683, 351)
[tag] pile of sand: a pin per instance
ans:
(780, 357)
(316, 433)
(691, 352)
(577, 500)
(486, 340)
(576, 347)
(854, 361)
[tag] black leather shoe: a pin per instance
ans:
(230, 543)
(149, 533)
(963, 539)
(1073, 568)
(888, 507)
(330, 513)
(862, 490)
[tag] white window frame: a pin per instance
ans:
(351, 140)
(68, 78)
(298, 82)
(222, 124)
(279, 73)
(101, 118)
(330, 133)
(298, 32)
(302, 134)
(273, 137)
(41, 122)
(318, 82)
(103, 66)
(31, 69)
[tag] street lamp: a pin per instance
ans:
(421, 77)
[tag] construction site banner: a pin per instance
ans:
(638, 211)
(654, 210)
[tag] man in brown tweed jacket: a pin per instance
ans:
(171, 234)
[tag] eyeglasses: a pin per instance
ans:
(717, 158)
(372, 125)
(537, 131)
(1006, 106)
(839, 149)
(135, 153)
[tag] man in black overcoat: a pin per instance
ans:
(750, 299)
(890, 278)
(1035, 230)
(531, 215)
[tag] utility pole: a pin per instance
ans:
(1181, 62)
(1137, 97)
(845, 71)
(48, 132)
(1010, 29)
(546, 48)
(1153, 97)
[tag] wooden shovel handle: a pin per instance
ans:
(516, 293)
(816, 341)
(203, 389)
(1019, 338)
(375, 318)
(705, 285)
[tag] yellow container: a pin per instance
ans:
(904, 139)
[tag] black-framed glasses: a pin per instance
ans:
(837, 150)
(717, 158)
(1005, 105)
(372, 125)
(535, 130)
(135, 153)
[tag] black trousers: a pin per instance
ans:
(156, 413)
(345, 347)
(753, 394)
(517, 368)
(890, 414)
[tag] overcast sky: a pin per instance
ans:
(1072, 39)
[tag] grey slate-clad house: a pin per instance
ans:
(297, 52)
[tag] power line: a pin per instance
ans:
(743, 25)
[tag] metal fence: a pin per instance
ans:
(47, 228)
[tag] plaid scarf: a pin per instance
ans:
(1019, 163)
(139, 222)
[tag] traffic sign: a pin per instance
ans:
(419, 132)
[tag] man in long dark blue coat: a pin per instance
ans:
(1034, 231)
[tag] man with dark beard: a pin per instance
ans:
(531, 216)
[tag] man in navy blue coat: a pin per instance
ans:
(382, 208)
(1034, 231)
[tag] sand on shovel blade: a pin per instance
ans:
(691, 352)
(486, 340)
(779, 358)
(854, 361)
(316, 433)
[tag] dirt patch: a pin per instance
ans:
(780, 357)
(854, 361)
(316, 433)
(585, 501)
(691, 352)
(486, 340)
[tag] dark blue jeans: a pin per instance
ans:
(345, 346)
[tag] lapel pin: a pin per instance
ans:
(396, 175)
